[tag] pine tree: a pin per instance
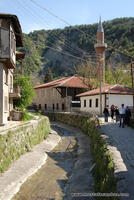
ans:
(48, 76)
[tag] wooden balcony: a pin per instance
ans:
(14, 93)
(8, 62)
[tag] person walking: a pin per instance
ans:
(112, 111)
(106, 113)
(117, 114)
(122, 111)
(127, 116)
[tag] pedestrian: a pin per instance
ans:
(106, 113)
(117, 114)
(112, 111)
(122, 111)
(127, 116)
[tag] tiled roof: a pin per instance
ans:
(111, 89)
(73, 82)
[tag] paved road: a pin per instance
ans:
(66, 172)
(121, 142)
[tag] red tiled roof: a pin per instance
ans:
(111, 89)
(73, 81)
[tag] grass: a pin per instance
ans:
(26, 116)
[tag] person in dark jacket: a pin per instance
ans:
(117, 114)
(106, 113)
(112, 111)
(127, 116)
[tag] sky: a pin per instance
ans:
(75, 12)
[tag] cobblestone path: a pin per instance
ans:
(121, 142)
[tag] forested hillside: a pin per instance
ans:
(50, 50)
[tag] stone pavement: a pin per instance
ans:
(10, 124)
(15, 124)
(25, 166)
(121, 145)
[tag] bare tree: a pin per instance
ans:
(88, 72)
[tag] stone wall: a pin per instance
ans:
(43, 97)
(17, 141)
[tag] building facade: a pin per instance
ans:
(100, 48)
(111, 95)
(60, 95)
(10, 38)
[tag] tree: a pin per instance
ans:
(48, 76)
(119, 76)
(27, 91)
(88, 72)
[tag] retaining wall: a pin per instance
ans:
(17, 141)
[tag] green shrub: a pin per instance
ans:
(26, 116)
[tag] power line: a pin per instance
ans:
(69, 54)
(65, 53)
(65, 43)
(58, 37)
(56, 16)
(64, 21)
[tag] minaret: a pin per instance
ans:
(100, 47)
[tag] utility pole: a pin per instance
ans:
(132, 75)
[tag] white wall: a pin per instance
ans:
(92, 109)
(1, 93)
(117, 100)
(5, 105)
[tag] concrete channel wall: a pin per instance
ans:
(18, 140)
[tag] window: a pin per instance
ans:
(96, 103)
(53, 107)
(13, 42)
(5, 104)
(6, 76)
(45, 106)
(90, 103)
(63, 106)
(4, 43)
(57, 106)
(11, 83)
(84, 102)
(39, 106)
